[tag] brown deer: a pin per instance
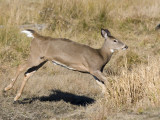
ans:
(69, 54)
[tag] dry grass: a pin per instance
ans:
(134, 74)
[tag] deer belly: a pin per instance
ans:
(62, 65)
(75, 67)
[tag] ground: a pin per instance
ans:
(61, 105)
(46, 99)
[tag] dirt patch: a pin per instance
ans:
(64, 95)
(57, 105)
(61, 105)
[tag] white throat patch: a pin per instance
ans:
(112, 51)
(28, 33)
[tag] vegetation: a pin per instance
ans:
(133, 74)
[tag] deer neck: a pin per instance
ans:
(106, 51)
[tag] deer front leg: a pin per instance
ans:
(100, 79)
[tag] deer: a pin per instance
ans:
(69, 54)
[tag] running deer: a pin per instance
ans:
(68, 54)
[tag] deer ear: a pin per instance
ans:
(105, 33)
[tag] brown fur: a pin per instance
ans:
(68, 54)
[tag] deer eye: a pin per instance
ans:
(115, 41)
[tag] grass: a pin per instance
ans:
(133, 74)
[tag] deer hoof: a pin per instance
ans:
(4, 93)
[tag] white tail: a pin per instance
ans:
(29, 33)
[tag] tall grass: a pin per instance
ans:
(135, 90)
(134, 74)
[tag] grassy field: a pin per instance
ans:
(57, 93)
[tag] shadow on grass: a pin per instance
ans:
(57, 95)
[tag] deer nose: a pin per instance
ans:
(125, 47)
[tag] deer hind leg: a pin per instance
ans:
(20, 69)
(27, 75)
